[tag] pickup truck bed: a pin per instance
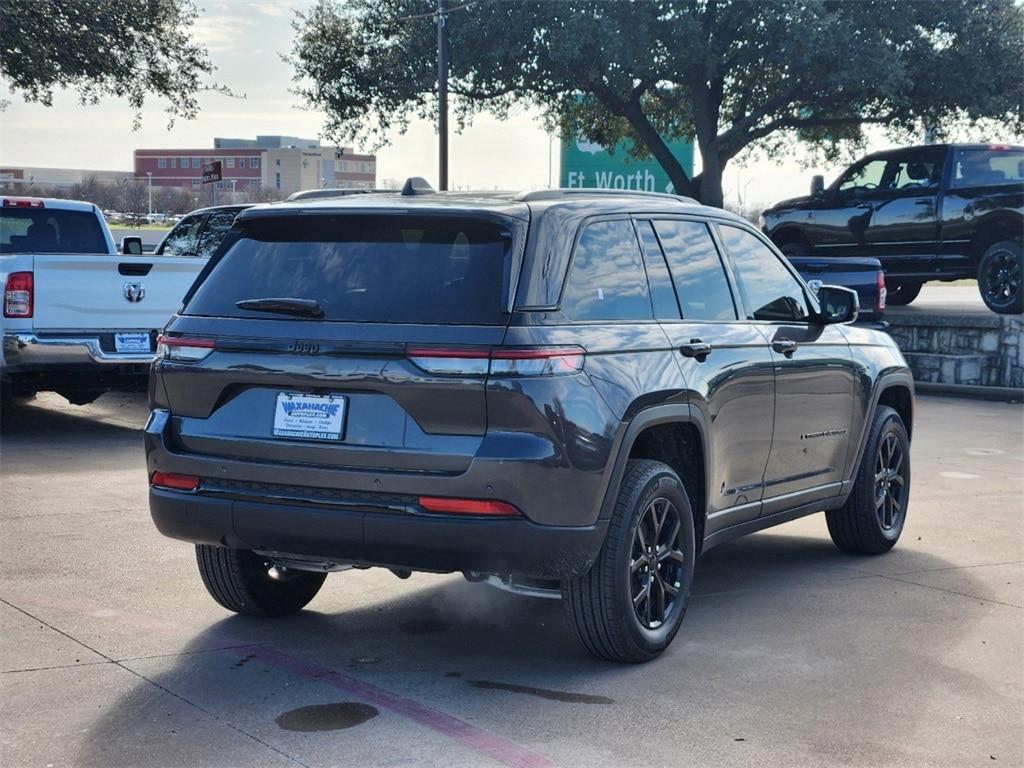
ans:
(859, 274)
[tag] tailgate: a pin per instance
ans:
(109, 292)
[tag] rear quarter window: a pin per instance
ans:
(366, 268)
(607, 279)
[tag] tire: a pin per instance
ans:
(600, 604)
(238, 579)
(795, 248)
(899, 294)
(861, 525)
(999, 278)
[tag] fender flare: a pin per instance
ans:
(649, 417)
(898, 377)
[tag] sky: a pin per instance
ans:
(245, 41)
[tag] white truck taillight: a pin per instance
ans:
(19, 295)
(183, 349)
(882, 292)
(498, 361)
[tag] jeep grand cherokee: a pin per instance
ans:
(565, 392)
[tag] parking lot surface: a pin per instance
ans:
(792, 653)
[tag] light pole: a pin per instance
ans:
(442, 93)
(149, 175)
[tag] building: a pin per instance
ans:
(25, 179)
(283, 163)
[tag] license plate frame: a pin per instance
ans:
(303, 416)
(133, 342)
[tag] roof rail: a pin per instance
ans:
(559, 194)
(417, 185)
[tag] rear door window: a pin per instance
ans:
(218, 224)
(697, 271)
(607, 279)
(986, 167)
(366, 268)
(43, 230)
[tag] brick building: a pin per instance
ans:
(284, 163)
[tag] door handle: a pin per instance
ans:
(786, 346)
(696, 348)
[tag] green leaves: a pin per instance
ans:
(732, 74)
(129, 49)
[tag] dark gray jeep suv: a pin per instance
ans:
(566, 393)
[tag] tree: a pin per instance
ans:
(130, 49)
(728, 74)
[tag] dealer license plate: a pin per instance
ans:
(132, 342)
(310, 417)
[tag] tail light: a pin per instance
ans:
(174, 481)
(882, 291)
(183, 349)
(19, 295)
(23, 202)
(486, 507)
(498, 361)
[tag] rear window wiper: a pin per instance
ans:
(302, 307)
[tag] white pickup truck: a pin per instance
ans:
(79, 316)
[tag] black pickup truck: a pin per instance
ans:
(935, 212)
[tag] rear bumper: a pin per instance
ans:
(370, 518)
(442, 543)
(38, 352)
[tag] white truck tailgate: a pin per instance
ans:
(99, 291)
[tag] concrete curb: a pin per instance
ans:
(1001, 394)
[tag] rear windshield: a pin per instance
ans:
(366, 268)
(41, 230)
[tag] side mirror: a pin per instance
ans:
(817, 186)
(131, 246)
(838, 305)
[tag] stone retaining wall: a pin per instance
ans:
(978, 349)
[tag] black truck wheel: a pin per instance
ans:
(630, 604)
(872, 519)
(240, 581)
(899, 293)
(999, 278)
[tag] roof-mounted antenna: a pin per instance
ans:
(417, 185)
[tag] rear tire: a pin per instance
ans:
(1000, 278)
(871, 520)
(899, 294)
(239, 580)
(606, 606)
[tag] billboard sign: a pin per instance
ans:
(589, 165)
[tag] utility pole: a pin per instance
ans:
(442, 93)
(149, 175)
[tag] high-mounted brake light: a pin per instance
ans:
(19, 295)
(498, 361)
(184, 349)
(174, 481)
(883, 292)
(23, 202)
(486, 507)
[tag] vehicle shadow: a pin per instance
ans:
(456, 640)
(114, 414)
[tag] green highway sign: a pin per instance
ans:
(586, 164)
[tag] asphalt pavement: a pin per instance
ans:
(791, 654)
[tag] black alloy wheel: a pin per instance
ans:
(656, 564)
(890, 483)
(1000, 278)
